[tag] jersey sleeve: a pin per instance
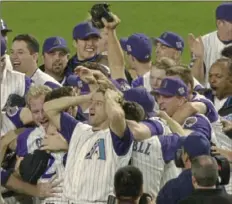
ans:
(199, 123)
(169, 145)
(21, 147)
(122, 144)
(52, 85)
(137, 82)
(5, 175)
(156, 127)
(13, 113)
(67, 125)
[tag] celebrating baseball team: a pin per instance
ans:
(120, 121)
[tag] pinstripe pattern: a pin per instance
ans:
(213, 47)
(88, 180)
(12, 83)
(147, 156)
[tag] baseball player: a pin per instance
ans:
(55, 57)
(97, 149)
(171, 97)
(24, 57)
(207, 49)
(33, 138)
(11, 82)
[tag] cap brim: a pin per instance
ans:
(123, 42)
(163, 42)
(91, 34)
(66, 49)
(162, 92)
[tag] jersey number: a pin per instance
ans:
(97, 149)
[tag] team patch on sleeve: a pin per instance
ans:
(189, 122)
(12, 111)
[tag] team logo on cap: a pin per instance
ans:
(179, 45)
(128, 47)
(147, 56)
(57, 42)
(164, 35)
(181, 90)
(164, 84)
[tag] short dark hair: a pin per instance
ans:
(128, 182)
(205, 170)
(59, 92)
(32, 43)
(133, 111)
(227, 52)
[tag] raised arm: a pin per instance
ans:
(115, 113)
(53, 108)
(115, 53)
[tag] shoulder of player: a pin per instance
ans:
(26, 133)
(11, 73)
(40, 75)
(209, 35)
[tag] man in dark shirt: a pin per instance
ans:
(204, 178)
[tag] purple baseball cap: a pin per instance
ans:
(141, 96)
(224, 12)
(54, 43)
(138, 45)
(3, 46)
(172, 40)
(171, 86)
(84, 30)
(195, 144)
(4, 26)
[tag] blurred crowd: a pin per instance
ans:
(120, 121)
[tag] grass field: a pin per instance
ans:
(44, 19)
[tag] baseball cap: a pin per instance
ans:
(84, 30)
(196, 144)
(172, 40)
(171, 86)
(224, 12)
(138, 45)
(3, 46)
(53, 43)
(141, 96)
(4, 26)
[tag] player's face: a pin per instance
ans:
(156, 77)
(164, 51)
(56, 61)
(226, 28)
(20, 56)
(219, 80)
(168, 104)
(2, 65)
(87, 49)
(38, 114)
(97, 113)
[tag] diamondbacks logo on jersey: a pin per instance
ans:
(190, 122)
(98, 150)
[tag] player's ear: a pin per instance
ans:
(75, 43)
(35, 56)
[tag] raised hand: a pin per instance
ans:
(196, 45)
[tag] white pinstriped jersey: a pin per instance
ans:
(8, 63)
(28, 142)
(212, 51)
(13, 83)
(41, 78)
(93, 159)
(142, 81)
(147, 156)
